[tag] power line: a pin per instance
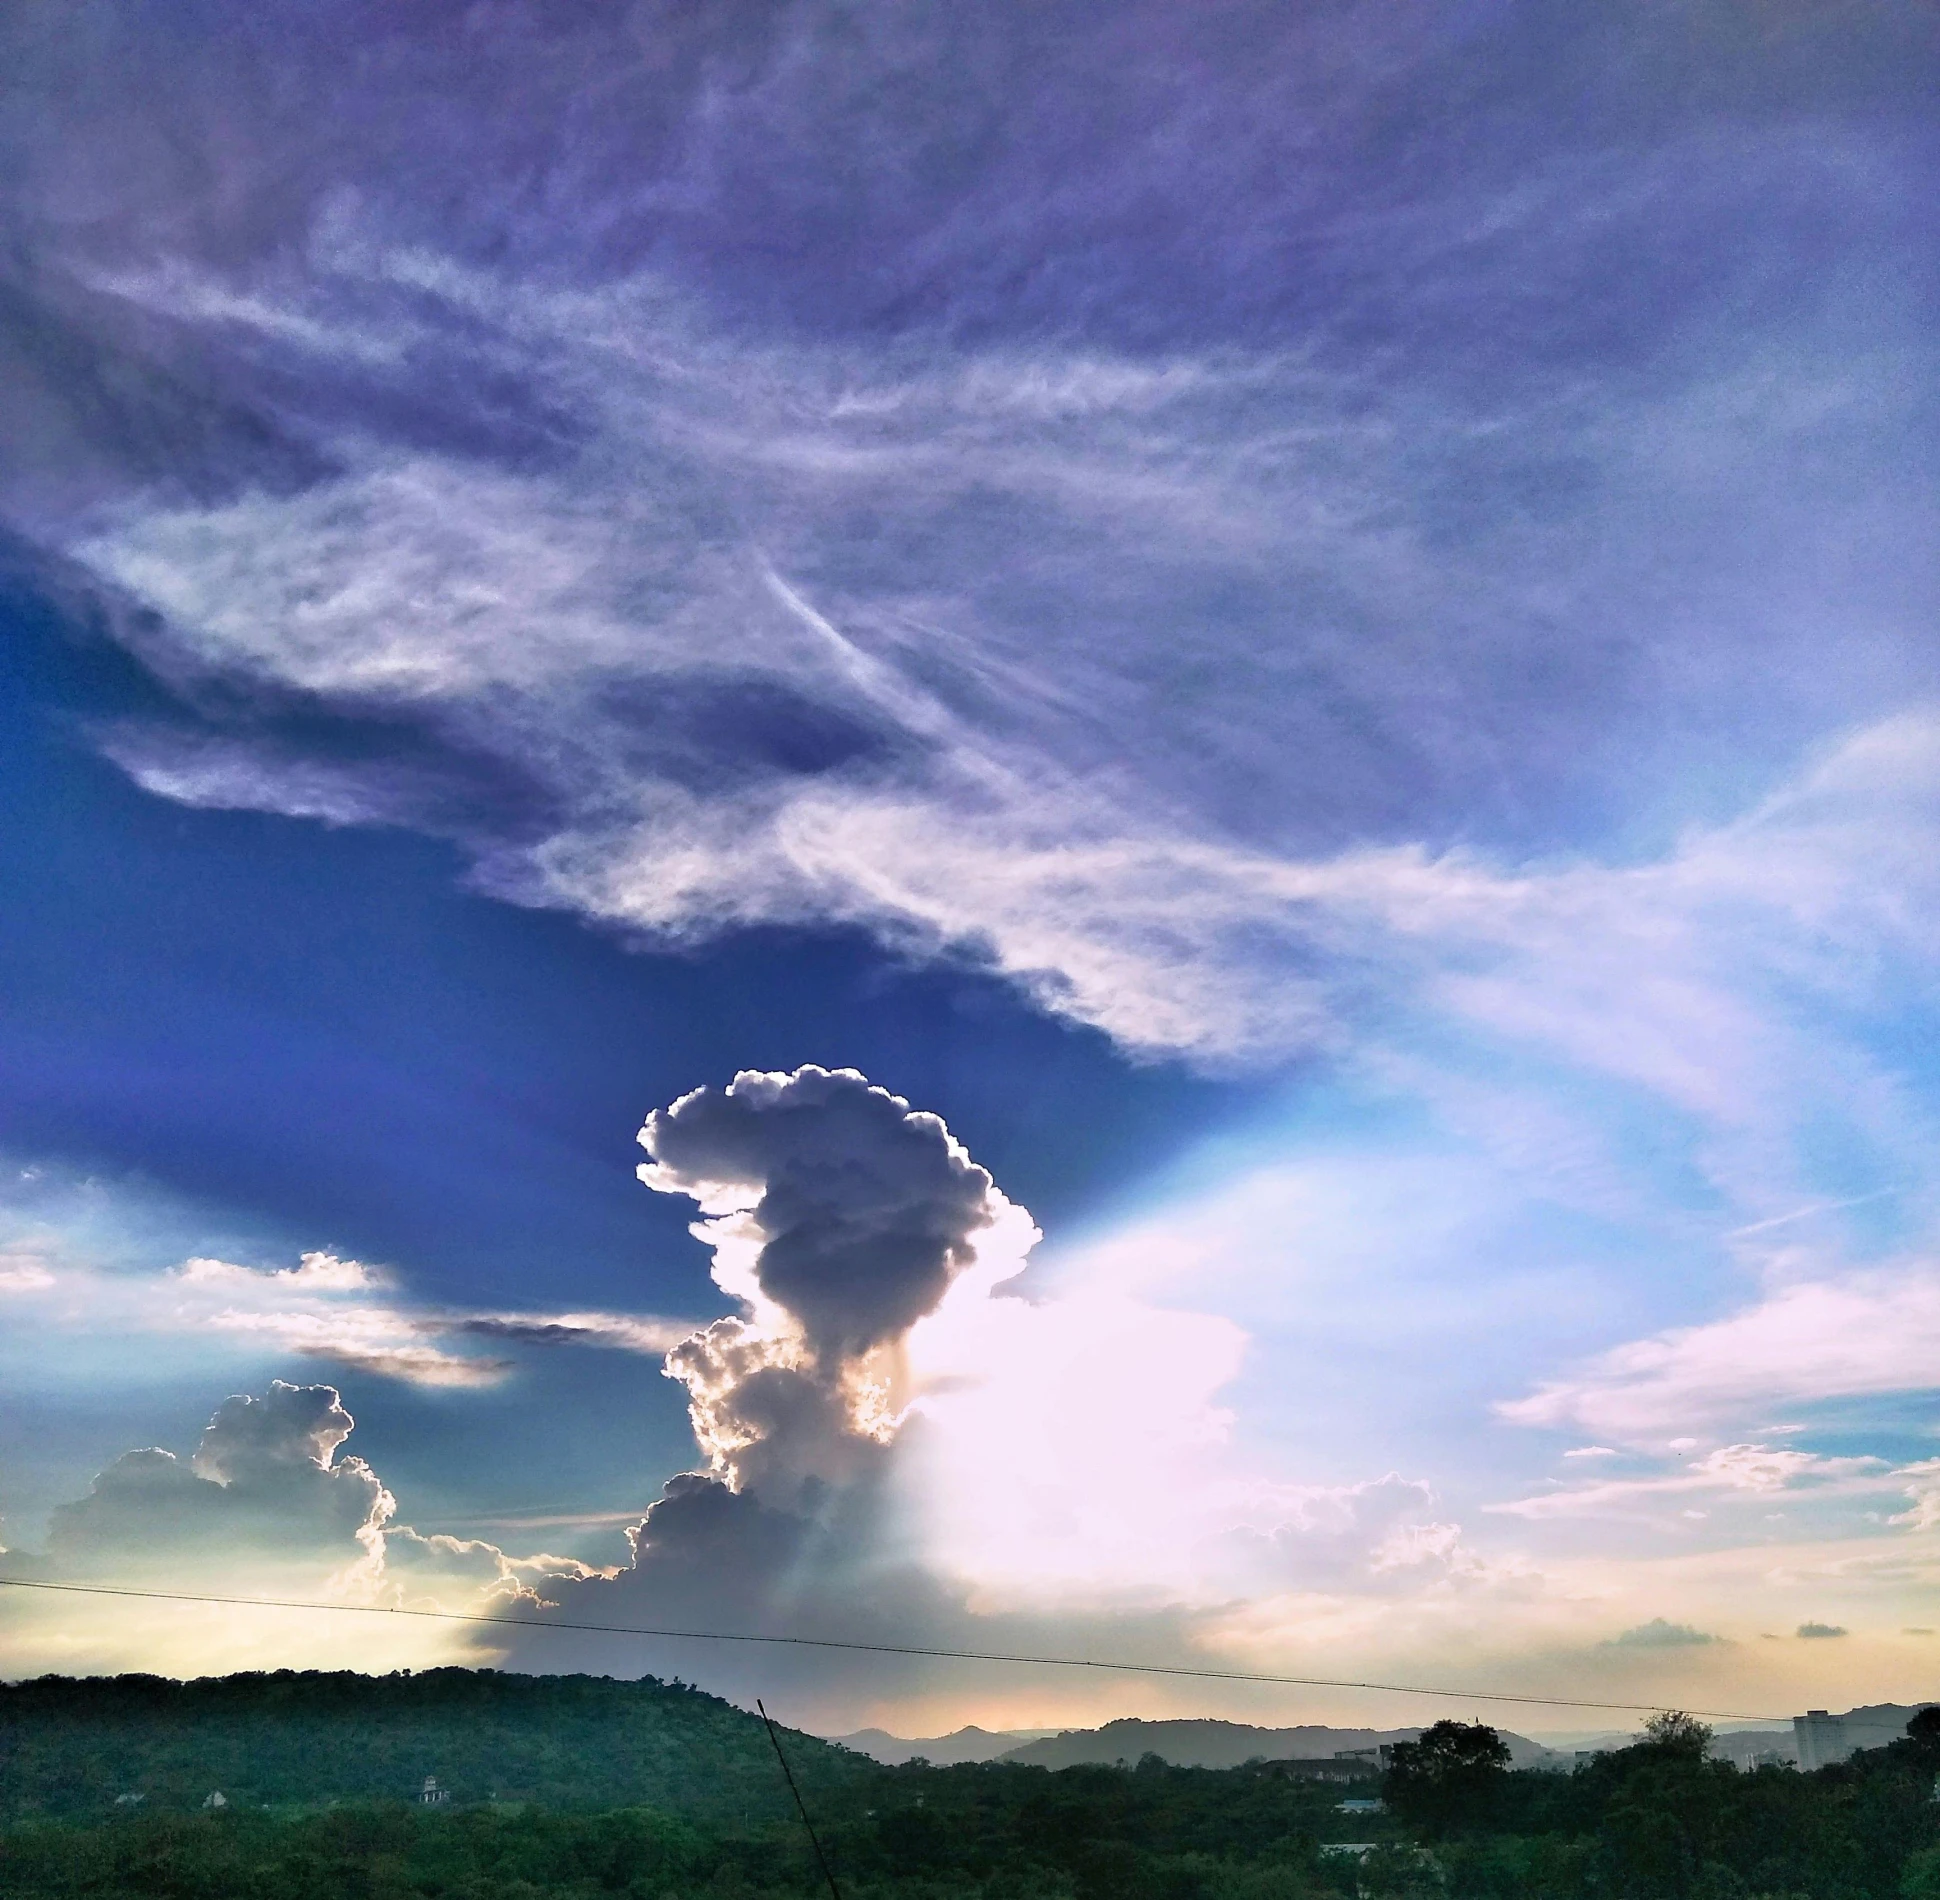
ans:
(801, 1806)
(877, 1649)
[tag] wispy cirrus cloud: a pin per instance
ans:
(1846, 1335)
(890, 734)
(1759, 1471)
(322, 1308)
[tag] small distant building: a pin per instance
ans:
(217, 1799)
(431, 1795)
(1822, 1739)
(1360, 1807)
(1360, 1850)
(129, 1800)
(1377, 1757)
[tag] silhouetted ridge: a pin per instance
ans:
(73, 1745)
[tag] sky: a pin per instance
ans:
(1104, 831)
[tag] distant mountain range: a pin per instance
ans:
(946, 1751)
(1185, 1744)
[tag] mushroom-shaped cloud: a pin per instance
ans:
(828, 1198)
(840, 1217)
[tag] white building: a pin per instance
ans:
(1824, 1739)
(1821, 1738)
(431, 1795)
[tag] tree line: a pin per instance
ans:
(705, 1815)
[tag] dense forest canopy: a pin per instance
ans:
(69, 1748)
(574, 1788)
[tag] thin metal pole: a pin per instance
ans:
(801, 1807)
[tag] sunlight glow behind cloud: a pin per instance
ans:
(1362, 573)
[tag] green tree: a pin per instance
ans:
(1451, 1779)
(1678, 1734)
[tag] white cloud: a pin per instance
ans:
(321, 1308)
(24, 1273)
(379, 1340)
(1758, 1470)
(314, 1273)
(1922, 1483)
(265, 1505)
(743, 718)
(263, 1492)
(1855, 1334)
(408, 1571)
(839, 1218)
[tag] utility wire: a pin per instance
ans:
(801, 1806)
(881, 1649)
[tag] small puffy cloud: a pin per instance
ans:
(1591, 1451)
(1659, 1633)
(266, 1501)
(264, 1481)
(314, 1272)
(290, 1426)
(1766, 1468)
(24, 1273)
(1922, 1485)
(1818, 1632)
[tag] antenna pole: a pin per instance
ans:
(801, 1807)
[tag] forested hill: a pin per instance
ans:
(74, 1747)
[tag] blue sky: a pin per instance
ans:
(1313, 625)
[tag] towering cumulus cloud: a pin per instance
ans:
(864, 1245)
(839, 1217)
